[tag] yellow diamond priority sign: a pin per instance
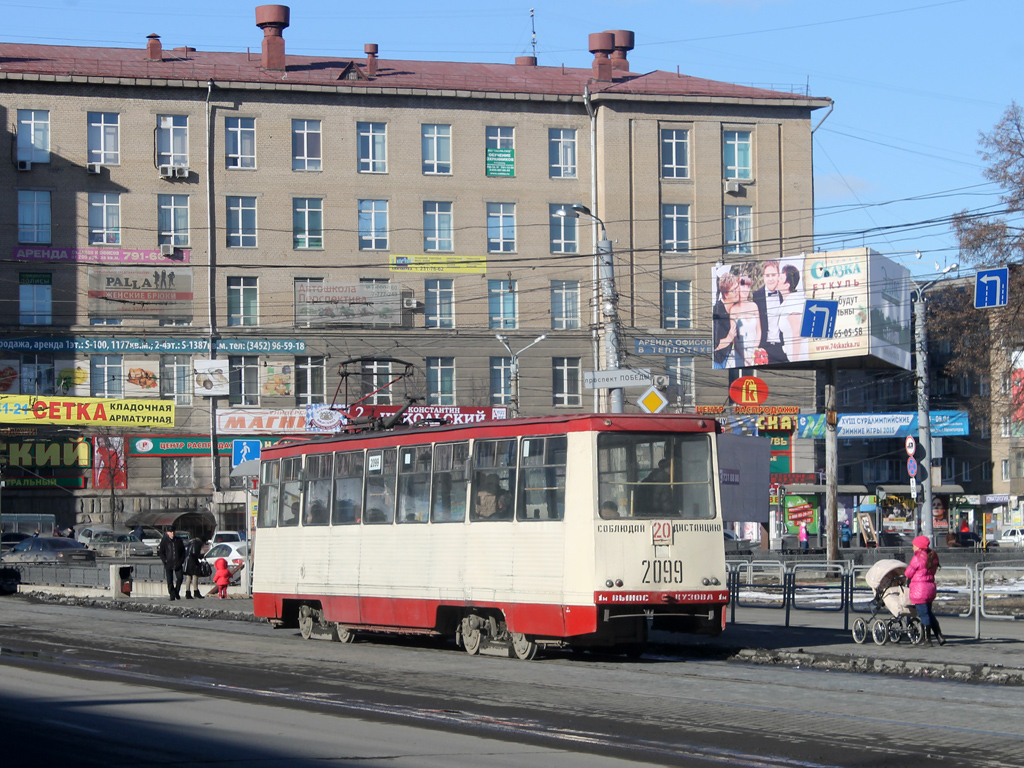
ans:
(652, 401)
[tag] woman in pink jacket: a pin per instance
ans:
(921, 575)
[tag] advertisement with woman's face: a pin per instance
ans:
(940, 512)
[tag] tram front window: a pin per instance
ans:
(656, 475)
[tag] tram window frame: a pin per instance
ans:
(542, 467)
(316, 488)
(495, 462)
(414, 465)
(269, 498)
(347, 501)
(381, 509)
(449, 487)
(291, 492)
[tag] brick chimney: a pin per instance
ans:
(601, 45)
(623, 43)
(154, 51)
(273, 19)
(370, 49)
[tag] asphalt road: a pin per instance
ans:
(166, 688)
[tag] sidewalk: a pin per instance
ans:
(814, 639)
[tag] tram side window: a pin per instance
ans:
(381, 466)
(348, 488)
(451, 482)
(542, 478)
(494, 480)
(269, 488)
(317, 496)
(291, 491)
(414, 484)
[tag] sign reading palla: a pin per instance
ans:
(633, 377)
(140, 292)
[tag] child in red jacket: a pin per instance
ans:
(222, 577)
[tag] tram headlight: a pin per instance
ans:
(706, 581)
(618, 582)
(715, 581)
(609, 584)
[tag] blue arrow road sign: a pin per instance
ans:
(990, 287)
(243, 451)
(819, 319)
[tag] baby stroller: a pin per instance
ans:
(892, 596)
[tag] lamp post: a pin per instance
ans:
(609, 301)
(924, 426)
(514, 372)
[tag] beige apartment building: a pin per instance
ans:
(297, 212)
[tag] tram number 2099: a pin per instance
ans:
(662, 571)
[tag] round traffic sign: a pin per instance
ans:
(911, 445)
(912, 467)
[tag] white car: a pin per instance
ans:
(1012, 537)
(110, 544)
(235, 552)
(86, 535)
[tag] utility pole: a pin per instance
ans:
(514, 370)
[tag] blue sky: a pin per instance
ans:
(914, 81)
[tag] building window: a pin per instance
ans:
(437, 149)
(564, 232)
(310, 380)
(373, 147)
(105, 375)
(501, 304)
(172, 219)
(241, 225)
(104, 218)
(437, 227)
(172, 140)
(565, 305)
(562, 152)
(244, 380)
(376, 375)
(737, 155)
(33, 216)
(675, 304)
(306, 153)
(307, 222)
(105, 321)
(240, 142)
(1005, 429)
(984, 386)
(501, 381)
(680, 381)
(967, 471)
(1006, 470)
(441, 381)
(176, 378)
(501, 227)
(500, 137)
(103, 138)
(675, 153)
(986, 470)
(33, 135)
(37, 375)
(176, 472)
(439, 309)
(675, 228)
(243, 301)
(739, 225)
(949, 468)
(35, 298)
(373, 225)
(565, 383)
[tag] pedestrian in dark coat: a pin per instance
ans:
(193, 569)
(172, 552)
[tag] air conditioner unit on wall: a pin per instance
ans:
(732, 187)
(24, 165)
(411, 304)
(93, 168)
(166, 249)
(166, 171)
(181, 171)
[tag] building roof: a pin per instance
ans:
(24, 61)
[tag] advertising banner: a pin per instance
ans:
(92, 411)
(743, 477)
(72, 377)
(439, 262)
(185, 445)
(251, 421)
(322, 418)
(123, 345)
(277, 378)
(143, 379)
(211, 378)
(109, 470)
(140, 292)
(943, 424)
(334, 303)
(801, 509)
(9, 376)
(48, 453)
(93, 255)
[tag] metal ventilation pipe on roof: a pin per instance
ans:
(624, 42)
(154, 50)
(526, 61)
(273, 19)
(601, 45)
(370, 49)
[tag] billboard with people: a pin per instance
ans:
(759, 307)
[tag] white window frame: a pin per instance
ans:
(674, 295)
(104, 218)
(501, 227)
(177, 472)
(310, 380)
(565, 305)
(733, 163)
(239, 143)
(373, 225)
(34, 217)
(566, 382)
(501, 380)
(1005, 470)
(438, 226)
(172, 220)
(172, 140)
(682, 381)
(239, 230)
(675, 153)
(441, 381)
(739, 229)
(243, 301)
(375, 374)
(439, 303)
(104, 138)
(436, 145)
(307, 223)
(372, 144)
(34, 135)
(675, 228)
(244, 379)
(307, 145)
(500, 137)
(176, 378)
(106, 374)
(502, 304)
(38, 374)
(562, 153)
(564, 232)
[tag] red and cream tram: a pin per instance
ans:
(508, 536)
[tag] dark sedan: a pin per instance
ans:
(43, 549)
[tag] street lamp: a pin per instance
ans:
(609, 301)
(924, 426)
(514, 373)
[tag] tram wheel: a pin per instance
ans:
(860, 631)
(307, 619)
(523, 647)
(879, 632)
(472, 637)
(344, 634)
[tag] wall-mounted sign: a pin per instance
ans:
(439, 262)
(92, 411)
(102, 255)
(943, 424)
(329, 302)
(501, 162)
(140, 292)
(47, 453)
(660, 346)
(185, 445)
(143, 379)
(121, 345)
(748, 390)
(249, 421)
(210, 378)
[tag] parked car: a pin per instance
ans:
(150, 536)
(1012, 537)
(85, 535)
(220, 536)
(11, 538)
(44, 549)
(235, 552)
(110, 544)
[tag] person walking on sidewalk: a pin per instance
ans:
(172, 553)
(802, 535)
(222, 577)
(921, 575)
(193, 567)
